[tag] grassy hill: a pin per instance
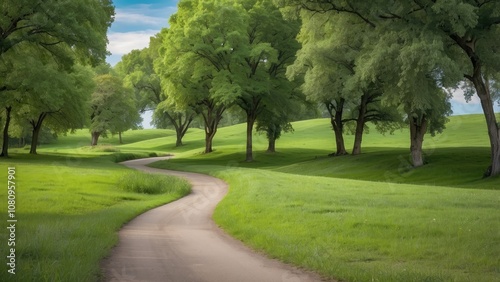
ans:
(355, 218)
(361, 218)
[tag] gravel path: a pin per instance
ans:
(180, 242)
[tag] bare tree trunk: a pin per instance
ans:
(418, 128)
(338, 126)
(37, 126)
(208, 142)
(360, 125)
(120, 137)
(178, 140)
(95, 138)
(271, 147)
(34, 140)
(211, 118)
(5, 144)
(483, 91)
(181, 126)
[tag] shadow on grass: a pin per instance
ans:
(455, 167)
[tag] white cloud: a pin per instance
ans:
(129, 17)
(121, 43)
(458, 97)
(144, 15)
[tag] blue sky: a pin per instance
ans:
(136, 21)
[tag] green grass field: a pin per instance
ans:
(364, 218)
(69, 207)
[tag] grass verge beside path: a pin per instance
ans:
(69, 209)
(358, 230)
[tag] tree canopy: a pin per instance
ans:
(139, 72)
(443, 42)
(47, 32)
(112, 107)
(220, 53)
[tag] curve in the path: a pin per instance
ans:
(180, 242)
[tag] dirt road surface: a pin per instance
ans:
(179, 242)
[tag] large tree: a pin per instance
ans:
(454, 39)
(197, 53)
(271, 47)
(327, 63)
(138, 69)
(58, 100)
(113, 108)
(66, 31)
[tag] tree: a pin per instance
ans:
(273, 122)
(62, 30)
(139, 72)
(112, 109)
(238, 49)
(455, 39)
(197, 50)
(328, 62)
(324, 71)
(59, 100)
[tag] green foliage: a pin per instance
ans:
(112, 106)
(138, 70)
(219, 53)
(40, 41)
(416, 48)
(121, 157)
(144, 183)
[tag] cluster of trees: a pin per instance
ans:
(47, 83)
(389, 63)
(384, 62)
(411, 51)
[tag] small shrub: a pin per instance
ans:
(121, 157)
(144, 183)
(100, 148)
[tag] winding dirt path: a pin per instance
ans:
(179, 242)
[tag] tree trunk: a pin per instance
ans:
(120, 137)
(208, 142)
(34, 139)
(181, 127)
(178, 141)
(249, 149)
(211, 118)
(418, 128)
(338, 129)
(95, 138)
(360, 125)
(5, 144)
(483, 91)
(271, 147)
(37, 126)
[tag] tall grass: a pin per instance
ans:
(152, 184)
